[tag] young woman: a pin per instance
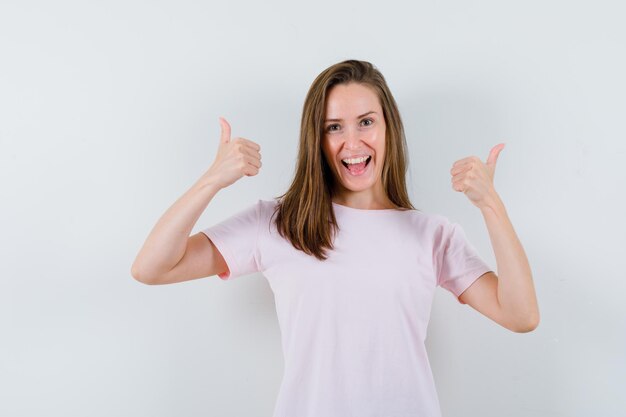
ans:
(352, 264)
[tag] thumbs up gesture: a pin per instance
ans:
(235, 158)
(474, 178)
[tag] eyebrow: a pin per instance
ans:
(358, 117)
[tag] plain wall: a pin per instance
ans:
(109, 113)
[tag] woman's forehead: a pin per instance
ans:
(351, 101)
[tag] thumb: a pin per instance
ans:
(493, 155)
(225, 133)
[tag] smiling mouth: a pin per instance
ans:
(367, 161)
(357, 169)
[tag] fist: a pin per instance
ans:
(474, 177)
(235, 158)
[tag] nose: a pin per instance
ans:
(352, 138)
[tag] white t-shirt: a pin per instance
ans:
(353, 326)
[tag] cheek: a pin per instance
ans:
(328, 150)
(380, 143)
(328, 157)
(325, 150)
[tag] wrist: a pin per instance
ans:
(493, 203)
(208, 182)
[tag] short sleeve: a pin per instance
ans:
(236, 239)
(459, 264)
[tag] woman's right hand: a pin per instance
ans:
(235, 158)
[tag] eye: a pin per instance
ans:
(330, 127)
(367, 120)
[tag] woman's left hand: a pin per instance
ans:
(475, 179)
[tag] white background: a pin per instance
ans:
(109, 113)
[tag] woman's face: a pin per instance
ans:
(354, 128)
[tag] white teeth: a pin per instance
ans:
(355, 160)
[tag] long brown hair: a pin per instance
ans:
(304, 214)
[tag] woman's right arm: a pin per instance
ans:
(169, 254)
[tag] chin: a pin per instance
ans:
(356, 188)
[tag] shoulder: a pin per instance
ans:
(267, 212)
(435, 227)
(266, 207)
(427, 220)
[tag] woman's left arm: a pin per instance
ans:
(515, 303)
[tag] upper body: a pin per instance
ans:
(352, 264)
